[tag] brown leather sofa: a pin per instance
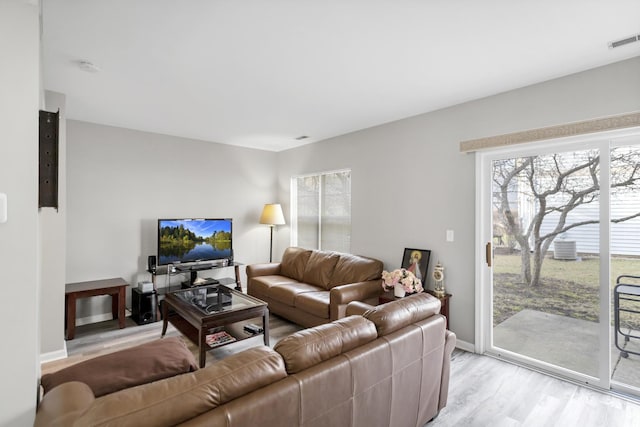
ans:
(311, 287)
(386, 366)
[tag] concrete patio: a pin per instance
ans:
(566, 342)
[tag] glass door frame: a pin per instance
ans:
(484, 275)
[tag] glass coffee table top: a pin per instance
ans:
(213, 299)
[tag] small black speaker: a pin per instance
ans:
(151, 264)
(143, 307)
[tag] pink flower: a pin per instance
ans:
(401, 276)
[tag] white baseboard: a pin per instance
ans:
(466, 346)
(54, 355)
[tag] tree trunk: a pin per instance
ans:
(538, 256)
(525, 257)
(525, 268)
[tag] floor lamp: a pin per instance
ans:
(272, 216)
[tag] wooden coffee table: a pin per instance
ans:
(205, 310)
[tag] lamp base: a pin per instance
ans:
(271, 245)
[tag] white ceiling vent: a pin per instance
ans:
(624, 41)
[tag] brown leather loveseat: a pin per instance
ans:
(382, 366)
(311, 287)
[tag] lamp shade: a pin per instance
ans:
(272, 214)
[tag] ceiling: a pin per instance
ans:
(262, 73)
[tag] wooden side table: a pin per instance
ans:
(115, 287)
(444, 305)
(444, 302)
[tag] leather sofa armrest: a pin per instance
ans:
(449, 345)
(340, 296)
(358, 291)
(358, 308)
(64, 404)
(255, 270)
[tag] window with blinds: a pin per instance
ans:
(321, 211)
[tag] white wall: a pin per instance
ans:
(19, 105)
(410, 183)
(120, 181)
(52, 225)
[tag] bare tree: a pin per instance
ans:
(555, 185)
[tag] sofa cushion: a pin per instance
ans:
(319, 269)
(316, 303)
(286, 293)
(353, 268)
(262, 284)
(126, 368)
(294, 261)
(309, 347)
(397, 314)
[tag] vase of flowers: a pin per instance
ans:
(402, 281)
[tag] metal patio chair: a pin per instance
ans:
(629, 295)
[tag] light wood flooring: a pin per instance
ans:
(483, 391)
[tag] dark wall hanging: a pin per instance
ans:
(48, 191)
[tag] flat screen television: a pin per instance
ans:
(194, 240)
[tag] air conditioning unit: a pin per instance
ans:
(565, 249)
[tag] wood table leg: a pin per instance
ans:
(114, 306)
(122, 301)
(238, 282)
(71, 316)
(202, 337)
(66, 310)
(165, 318)
(265, 327)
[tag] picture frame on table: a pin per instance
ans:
(417, 261)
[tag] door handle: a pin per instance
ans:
(488, 253)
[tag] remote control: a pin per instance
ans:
(253, 329)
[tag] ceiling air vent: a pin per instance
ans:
(624, 41)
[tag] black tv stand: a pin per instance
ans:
(194, 267)
(193, 276)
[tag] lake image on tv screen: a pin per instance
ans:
(193, 240)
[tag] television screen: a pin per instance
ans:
(191, 240)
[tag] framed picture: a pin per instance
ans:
(417, 262)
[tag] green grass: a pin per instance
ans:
(567, 288)
(585, 271)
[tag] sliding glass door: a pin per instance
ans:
(549, 231)
(625, 261)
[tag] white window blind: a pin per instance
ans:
(321, 211)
